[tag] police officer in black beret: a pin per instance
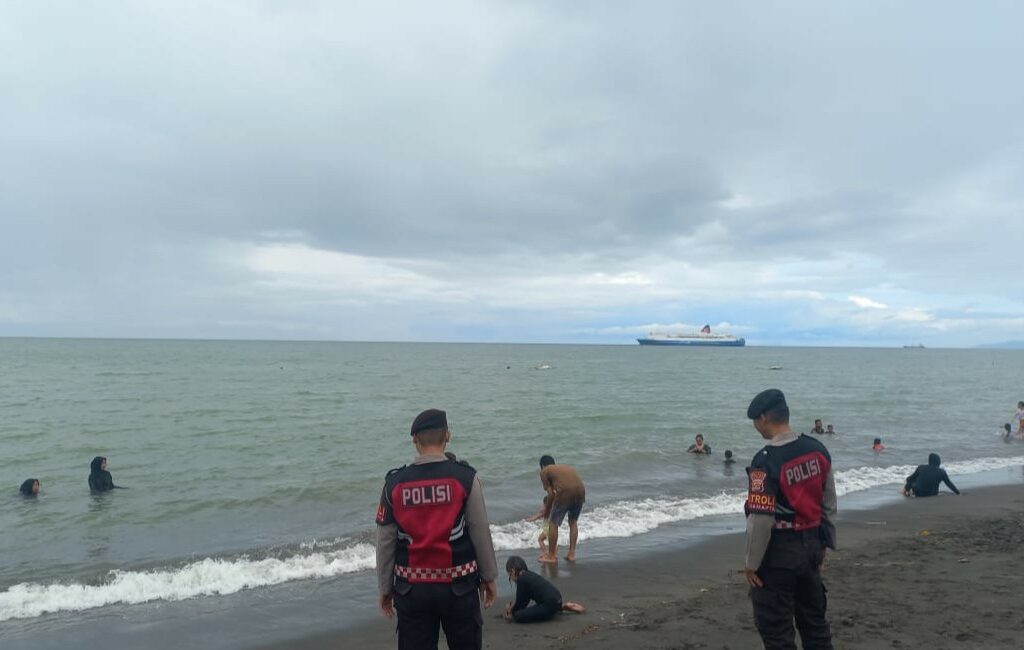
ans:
(434, 550)
(791, 509)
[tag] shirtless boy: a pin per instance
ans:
(567, 493)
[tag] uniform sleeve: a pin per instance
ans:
(760, 510)
(480, 532)
(828, 512)
(387, 542)
(759, 533)
(949, 483)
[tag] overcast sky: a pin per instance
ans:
(798, 173)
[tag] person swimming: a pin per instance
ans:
(729, 460)
(698, 446)
(532, 587)
(100, 479)
(30, 487)
(877, 445)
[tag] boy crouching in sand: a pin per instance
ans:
(530, 586)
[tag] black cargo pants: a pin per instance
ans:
(423, 608)
(792, 590)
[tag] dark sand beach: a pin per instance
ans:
(941, 572)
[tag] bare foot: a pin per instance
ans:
(574, 607)
(549, 559)
(571, 557)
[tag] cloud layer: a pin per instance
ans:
(512, 171)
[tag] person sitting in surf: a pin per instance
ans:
(924, 482)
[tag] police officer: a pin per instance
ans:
(790, 508)
(434, 548)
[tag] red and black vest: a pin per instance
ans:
(428, 504)
(788, 481)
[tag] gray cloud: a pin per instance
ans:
(522, 141)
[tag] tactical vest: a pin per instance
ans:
(428, 504)
(788, 481)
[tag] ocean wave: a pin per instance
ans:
(206, 577)
(220, 576)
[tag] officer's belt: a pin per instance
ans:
(789, 525)
(423, 574)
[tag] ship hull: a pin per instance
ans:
(695, 343)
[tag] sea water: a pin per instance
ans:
(254, 468)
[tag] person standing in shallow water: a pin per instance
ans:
(567, 496)
(791, 509)
(100, 479)
(1019, 416)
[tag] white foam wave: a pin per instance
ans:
(625, 518)
(219, 576)
(203, 578)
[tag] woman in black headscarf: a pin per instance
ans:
(30, 487)
(100, 479)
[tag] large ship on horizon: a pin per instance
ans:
(703, 338)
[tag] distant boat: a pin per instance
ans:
(918, 346)
(703, 338)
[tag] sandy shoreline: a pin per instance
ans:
(937, 572)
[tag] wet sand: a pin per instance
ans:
(941, 572)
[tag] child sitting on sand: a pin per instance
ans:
(878, 446)
(530, 586)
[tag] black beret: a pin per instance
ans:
(429, 419)
(766, 400)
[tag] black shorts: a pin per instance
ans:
(559, 511)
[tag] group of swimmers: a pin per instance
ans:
(699, 446)
(100, 480)
(818, 430)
